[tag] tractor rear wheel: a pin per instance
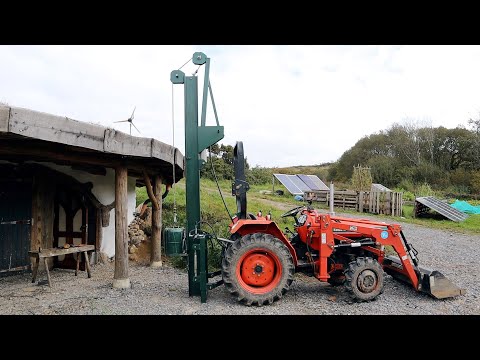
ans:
(364, 278)
(257, 269)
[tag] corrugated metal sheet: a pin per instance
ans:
(440, 207)
(380, 187)
(15, 217)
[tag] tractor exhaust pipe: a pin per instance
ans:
(431, 282)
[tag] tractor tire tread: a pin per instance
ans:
(233, 254)
(353, 270)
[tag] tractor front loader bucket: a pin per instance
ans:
(431, 282)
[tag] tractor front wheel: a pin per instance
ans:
(364, 278)
(257, 269)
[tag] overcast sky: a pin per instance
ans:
(290, 105)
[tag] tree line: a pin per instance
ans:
(409, 153)
(404, 156)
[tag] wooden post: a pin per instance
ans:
(400, 203)
(120, 279)
(99, 235)
(48, 272)
(360, 201)
(394, 196)
(372, 200)
(156, 250)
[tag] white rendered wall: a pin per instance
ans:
(104, 191)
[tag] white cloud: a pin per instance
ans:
(290, 105)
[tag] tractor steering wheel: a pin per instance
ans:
(292, 212)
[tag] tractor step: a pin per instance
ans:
(431, 282)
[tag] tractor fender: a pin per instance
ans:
(246, 226)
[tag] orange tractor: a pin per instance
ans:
(259, 264)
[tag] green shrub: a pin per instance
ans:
(424, 190)
(407, 195)
(259, 176)
(407, 185)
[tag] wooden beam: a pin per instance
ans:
(99, 233)
(29, 126)
(121, 280)
(117, 142)
(105, 213)
(164, 152)
(4, 117)
(151, 195)
(59, 129)
(37, 151)
(156, 250)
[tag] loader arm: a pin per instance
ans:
(405, 267)
(383, 234)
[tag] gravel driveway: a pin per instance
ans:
(165, 291)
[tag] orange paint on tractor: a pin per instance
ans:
(261, 225)
(260, 261)
(322, 234)
(259, 270)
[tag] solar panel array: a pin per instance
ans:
(298, 184)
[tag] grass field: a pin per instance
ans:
(214, 213)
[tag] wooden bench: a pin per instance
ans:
(47, 253)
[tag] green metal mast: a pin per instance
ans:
(197, 139)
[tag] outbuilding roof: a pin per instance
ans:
(36, 135)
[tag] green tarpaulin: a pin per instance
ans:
(465, 207)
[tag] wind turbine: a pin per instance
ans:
(130, 120)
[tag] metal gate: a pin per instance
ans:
(15, 225)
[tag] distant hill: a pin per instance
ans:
(320, 170)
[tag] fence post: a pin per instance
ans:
(401, 204)
(394, 196)
(332, 199)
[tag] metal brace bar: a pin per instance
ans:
(205, 92)
(213, 102)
